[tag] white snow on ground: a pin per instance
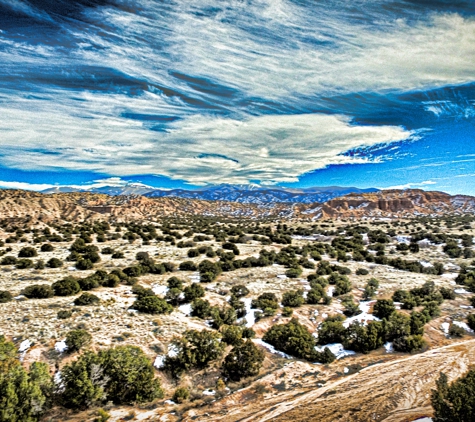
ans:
(209, 393)
(171, 402)
(20, 297)
(271, 348)
(133, 311)
(337, 349)
(185, 309)
(445, 327)
(158, 289)
(71, 268)
(425, 264)
(462, 291)
(389, 347)
(346, 370)
(195, 277)
(362, 318)
(250, 317)
(60, 346)
(466, 307)
(282, 276)
(24, 346)
(403, 239)
(463, 325)
(424, 420)
(159, 361)
(330, 291)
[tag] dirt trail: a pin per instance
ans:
(395, 391)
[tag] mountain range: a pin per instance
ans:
(244, 194)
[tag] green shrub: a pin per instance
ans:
(244, 360)
(54, 263)
(187, 266)
(239, 290)
(195, 349)
(38, 291)
(181, 395)
(456, 331)
(87, 299)
(64, 314)
(24, 263)
(27, 252)
(383, 308)
(66, 287)
(175, 283)
(8, 260)
(5, 296)
(24, 395)
(84, 264)
(362, 271)
(47, 247)
(123, 375)
(454, 402)
(77, 339)
(287, 312)
(152, 305)
(293, 299)
(192, 292)
(232, 334)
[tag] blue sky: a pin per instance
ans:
(373, 93)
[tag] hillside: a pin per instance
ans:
(391, 204)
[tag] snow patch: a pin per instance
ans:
(185, 309)
(463, 325)
(271, 348)
(337, 349)
(60, 346)
(364, 317)
(462, 291)
(158, 289)
(389, 347)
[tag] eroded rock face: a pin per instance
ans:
(393, 203)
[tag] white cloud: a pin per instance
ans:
(270, 50)
(417, 185)
(199, 149)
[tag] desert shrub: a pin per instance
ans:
(47, 247)
(200, 308)
(77, 339)
(24, 263)
(220, 316)
(193, 291)
(175, 283)
(195, 349)
(456, 331)
(266, 301)
(244, 360)
(187, 266)
(232, 334)
(180, 395)
(64, 314)
(66, 287)
(83, 264)
(112, 280)
(293, 299)
(38, 291)
(86, 299)
(107, 251)
(193, 253)
(40, 265)
(332, 330)
(152, 305)
(383, 308)
(455, 401)
(292, 338)
(239, 290)
(54, 263)
(174, 296)
(27, 252)
(471, 321)
(5, 296)
(118, 255)
(24, 395)
(135, 271)
(362, 271)
(8, 260)
(287, 312)
(123, 375)
(294, 272)
(447, 293)
(409, 343)
(141, 291)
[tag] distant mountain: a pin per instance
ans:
(244, 194)
(255, 194)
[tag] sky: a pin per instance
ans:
(188, 93)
